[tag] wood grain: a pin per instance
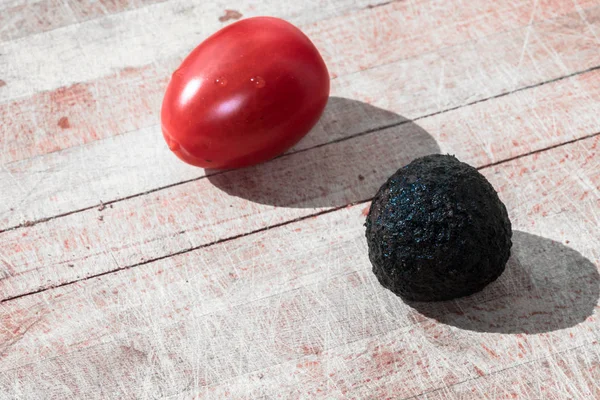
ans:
(26, 17)
(544, 378)
(294, 311)
(294, 186)
(256, 283)
(130, 97)
(136, 38)
(47, 186)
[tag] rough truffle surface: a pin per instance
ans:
(437, 230)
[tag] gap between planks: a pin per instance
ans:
(51, 190)
(546, 164)
(227, 239)
(170, 241)
(212, 174)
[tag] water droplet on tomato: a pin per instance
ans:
(258, 81)
(221, 81)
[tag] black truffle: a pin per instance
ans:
(437, 230)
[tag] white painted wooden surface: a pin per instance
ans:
(256, 283)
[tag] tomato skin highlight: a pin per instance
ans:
(245, 95)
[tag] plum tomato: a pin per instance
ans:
(244, 95)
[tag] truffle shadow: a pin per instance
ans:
(340, 172)
(546, 287)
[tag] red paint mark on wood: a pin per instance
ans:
(354, 280)
(133, 353)
(306, 349)
(479, 371)
(384, 358)
(523, 170)
(63, 123)
(230, 15)
(130, 71)
(490, 351)
(35, 117)
(313, 367)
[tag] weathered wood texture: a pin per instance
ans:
(140, 157)
(256, 283)
(141, 37)
(203, 211)
(67, 113)
(295, 311)
(27, 17)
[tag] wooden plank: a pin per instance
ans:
(208, 210)
(403, 371)
(129, 98)
(571, 374)
(135, 38)
(26, 17)
(294, 311)
(190, 215)
(400, 30)
(46, 186)
(20, 18)
(46, 122)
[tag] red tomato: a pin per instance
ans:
(244, 95)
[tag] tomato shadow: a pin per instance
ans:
(351, 152)
(546, 286)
